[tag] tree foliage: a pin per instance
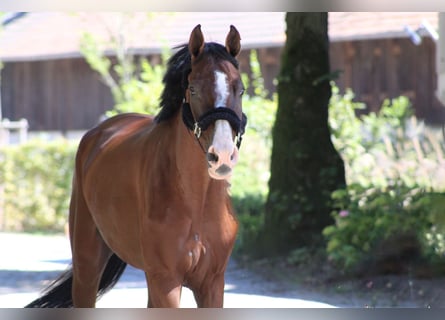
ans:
(135, 84)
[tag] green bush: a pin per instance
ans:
(395, 177)
(250, 213)
(35, 180)
(252, 172)
(372, 218)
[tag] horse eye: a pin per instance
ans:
(192, 90)
(241, 92)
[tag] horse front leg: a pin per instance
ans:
(163, 291)
(211, 292)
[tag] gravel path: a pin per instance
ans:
(29, 262)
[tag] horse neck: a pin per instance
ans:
(193, 169)
(189, 157)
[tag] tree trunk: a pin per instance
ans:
(305, 167)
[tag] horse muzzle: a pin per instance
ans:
(222, 154)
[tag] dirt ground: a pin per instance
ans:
(375, 291)
(29, 261)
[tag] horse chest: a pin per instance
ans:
(194, 251)
(207, 252)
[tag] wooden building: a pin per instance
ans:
(46, 80)
(385, 55)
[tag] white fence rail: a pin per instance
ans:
(18, 128)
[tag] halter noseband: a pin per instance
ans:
(204, 121)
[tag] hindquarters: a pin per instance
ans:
(95, 267)
(91, 254)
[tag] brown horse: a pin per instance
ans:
(152, 192)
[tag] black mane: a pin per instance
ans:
(175, 78)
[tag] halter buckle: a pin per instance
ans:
(197, 130)
(238, 139)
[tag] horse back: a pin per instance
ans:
(112, 132)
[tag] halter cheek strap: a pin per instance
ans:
(204, 121)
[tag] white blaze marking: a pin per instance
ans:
(222, 139)
(222, 145)
(221, 89)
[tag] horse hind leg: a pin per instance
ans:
(90, 254)
(95, 269)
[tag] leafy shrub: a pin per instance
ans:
(252, 172)
(36, 182)
(135, 84)
(370, 217)
(394, 168)
(250, 213)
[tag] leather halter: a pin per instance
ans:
(204, 121)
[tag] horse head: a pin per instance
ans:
(214, 98)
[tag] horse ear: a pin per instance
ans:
(196, 42)
(233, 39)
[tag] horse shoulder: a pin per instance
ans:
(102, 136)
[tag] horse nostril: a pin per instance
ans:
(223, 170)
(212, 157)
(234, 156)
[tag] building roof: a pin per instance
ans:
(49, 35)
(376, 25)
(56, 34)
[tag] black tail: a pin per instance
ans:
(58, 294)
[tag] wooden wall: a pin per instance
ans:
(62, 94)
(388, 68)
(66, 94)
(376, 70)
